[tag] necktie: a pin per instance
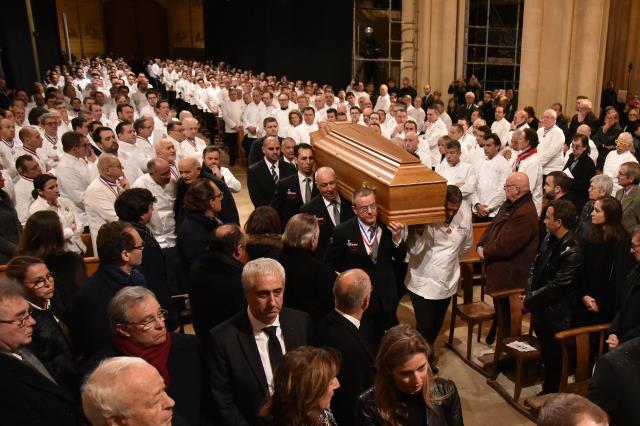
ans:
(336, 213)
(374, 243)
(307, 190)
(275, 350)
(274, 175)
(30, 359)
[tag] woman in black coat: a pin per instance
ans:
(202, 203)
(582, 168)
(10, 229)
(264, 231)
(43, 238)
(309, 280)
(50, 343)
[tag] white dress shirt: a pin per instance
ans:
(232, 182)
(98, 203)
(353, 320)
(74, 176)
(67, 214)
(502, 129)
(23, 188)
(163, 223)
(434, 257)
(612, 165)
(329, 207)
(550, 149)
(429, 140)
(492, 175)
(262, 342)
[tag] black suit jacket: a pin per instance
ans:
(463, 111)
(260, 183)
(615, 383)
(356, 369)
(216, 291)
(287, 199)
(347, 251)
(29, 398)
(255, 152)
(318, 208)
(238, 381)
(582, 173)
(10, 229)
(309, 282)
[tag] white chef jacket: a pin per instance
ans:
(550, 149)
(98, 203)
(492, 175)
(74, 176)
(163, 223)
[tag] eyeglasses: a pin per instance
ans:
(507, 186)
(576, 146)
(365, 209)
(219, 195)
(20, 322)
(41, 281)
(146, 325)
(140, 247)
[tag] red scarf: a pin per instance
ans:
(523, 156)
(155, 355)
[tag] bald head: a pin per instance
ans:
(184, 114)
(351, 290)
(189, 169)
(584, 129)
(105, 162)
(517, 186)
(411, 141)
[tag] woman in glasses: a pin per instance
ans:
(49, 343)
(138, 325)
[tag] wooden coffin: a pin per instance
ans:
(406, 190)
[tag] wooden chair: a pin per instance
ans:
(471, 312)
(522, 358)
(86, 240)
(91, 264)
(576, 359)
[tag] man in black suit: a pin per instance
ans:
(468, 107)
(615, 383)
(263, 176)
(270, 126)
(29, 393)
(293, 191)
(362, 242)
(343, 330)
(329, 207)
(245, 350)
(216, 288)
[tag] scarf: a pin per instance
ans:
(157, 356)
(523, 156)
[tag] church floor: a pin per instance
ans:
(481, 405)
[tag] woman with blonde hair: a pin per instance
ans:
(303, 386)
(404, 392)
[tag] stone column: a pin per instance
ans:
(408, 48)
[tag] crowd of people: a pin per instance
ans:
(294, 313)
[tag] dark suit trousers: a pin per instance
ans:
(231, 141)
(246, 143)
(551, 357)
(429, 316)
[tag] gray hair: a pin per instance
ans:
(603, 182)
(351, 296)
(261, 267)
(300, 231)
(10, 288)
(518, 133)
(47, 115)
(122, 301)
(102, 393)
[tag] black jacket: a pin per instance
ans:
(71, 275)
(309, 282)
(347, 251)
(53, 349)
(29, 398)
(90, 328)
(551, 287)
(582, 173)
(216, 291)
(447, 410)
(238, 382)
(261, 186)
(10, 229)
(229, 212)
(626, 324)
(188, 385)
(356, 345)
(318, 208)
(615, 383)
(193, 237)
(154, 269)
(287, 199)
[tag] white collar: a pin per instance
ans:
(349, 318)
(258, 325)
